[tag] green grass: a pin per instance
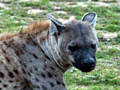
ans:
(106, 76)
(108, 20)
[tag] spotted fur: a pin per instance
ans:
(33, 60)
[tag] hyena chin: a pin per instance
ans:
(77, 43)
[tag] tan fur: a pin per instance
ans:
(7, 35)
(37, 26)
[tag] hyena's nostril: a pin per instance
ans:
(89, 62)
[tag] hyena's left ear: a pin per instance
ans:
(56, 26)
(90, 18)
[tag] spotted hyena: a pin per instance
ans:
(37, 58)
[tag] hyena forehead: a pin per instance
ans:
(78, 25)
(80, 32)
(80, 28)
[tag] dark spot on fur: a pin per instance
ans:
(23, 46)
(7, 59)
(31, 70)
(26, 81)
(35, 68)
(16, 71)
(25, 65)
(35, 56)
(11, 41)
(56, 75)
(3, 50)
(5, 85)
(47, 57)
(11, 74)
(24, 87)
(44, 88)
(1, 62)
(63, 84)
(1, 75)
(5, 43)
(17, 53)
(33, 86)
(15, 87)
(21, 62)
(67, 65)
(30, 61)
(41, 49)
(29, 73)
(43, 75)
(6, 68)
(45, 66)
(22, 83)
(58, 82)
(21, 51)
(17, 80)
(30, 40)
(52, 68)
(34, 43)
(9, 44)
(51, 84)
(37, 87)
(10, 81)
(49, 74)
(23, 71)
(37, 80)
(21, 36)
(27, 41)
(0, 88)
(0, 81)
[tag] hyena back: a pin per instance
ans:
(37, 58)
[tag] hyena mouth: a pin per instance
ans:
(84, 67)
(87, 70)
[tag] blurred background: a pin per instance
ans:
(15, 14)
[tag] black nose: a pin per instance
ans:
(90, 62)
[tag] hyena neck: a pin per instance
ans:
(50, 48)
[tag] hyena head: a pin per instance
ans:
(76, 40)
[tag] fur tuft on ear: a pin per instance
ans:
(90, 18)
(55, 26)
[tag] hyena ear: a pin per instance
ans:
(55, 26)
(90, 18)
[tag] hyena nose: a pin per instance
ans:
(89, 62)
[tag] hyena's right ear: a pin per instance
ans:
(90, 18)
(55, 25)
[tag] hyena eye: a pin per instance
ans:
(73, 48)
(93, 46)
